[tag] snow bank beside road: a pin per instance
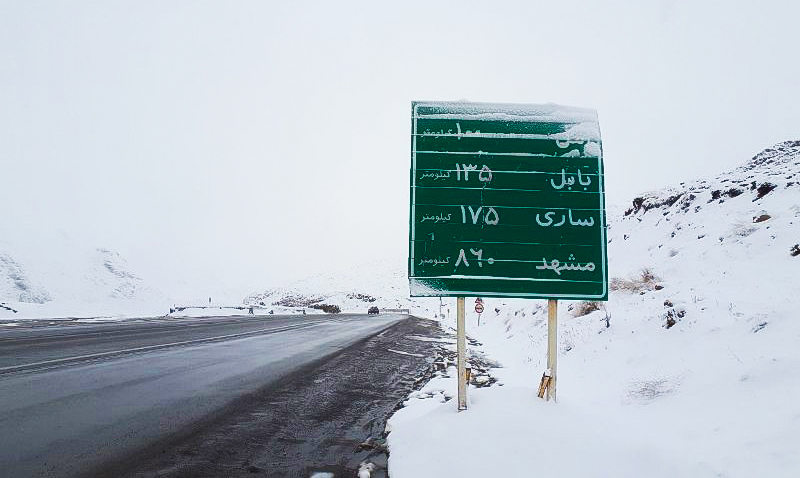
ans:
(695, 374)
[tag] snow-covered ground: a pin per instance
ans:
(690, 369)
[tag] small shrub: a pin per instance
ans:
(297, 301)
(585, 308)
(361, 297)
(646, 281)
(731, 193)
(648, 276)
(327, 308)
(743, 230)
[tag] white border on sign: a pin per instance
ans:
(413, 276)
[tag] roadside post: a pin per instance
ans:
(507, 201)
(461, 348)
(552, 347)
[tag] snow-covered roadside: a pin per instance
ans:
(695, 374)
(111, 310)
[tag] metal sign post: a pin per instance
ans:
(461, 348)
(552, 347)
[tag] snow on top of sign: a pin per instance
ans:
(592, 149)
(587, 130)
(549, 112)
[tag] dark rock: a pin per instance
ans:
(672, 315)
(645, 204)
(637, 205)
(765, 189)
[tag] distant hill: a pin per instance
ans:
(382, 283)
(51, 276)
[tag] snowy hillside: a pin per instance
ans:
(381, 283)
(690, 368)
(48, 275)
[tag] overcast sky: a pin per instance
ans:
(254, 142)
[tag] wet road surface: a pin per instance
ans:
(270, 395)
(327, 417)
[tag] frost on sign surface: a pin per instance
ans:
(507, 201)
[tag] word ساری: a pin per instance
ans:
(570, 181)
(573, 222)
(437, 218)
(557, 266)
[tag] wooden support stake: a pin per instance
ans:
(552, 346)
(461, 347)
(544, 384)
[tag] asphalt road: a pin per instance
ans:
(74, 399)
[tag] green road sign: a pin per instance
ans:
(507, 201)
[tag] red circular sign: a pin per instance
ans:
(479, 308)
